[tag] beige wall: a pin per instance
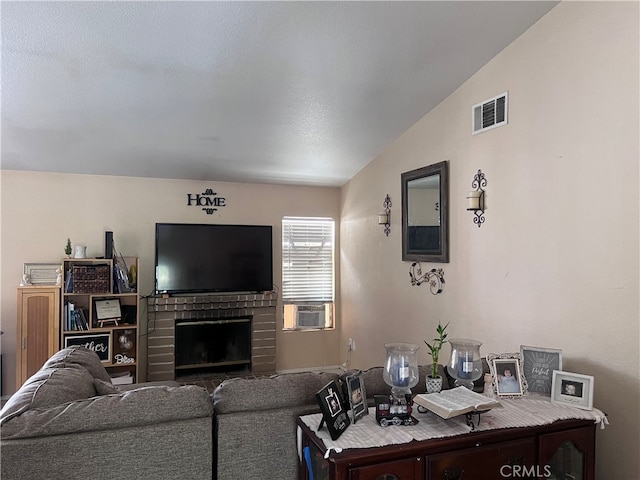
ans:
(556, 263)
(40, 210)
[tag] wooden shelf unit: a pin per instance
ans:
(116, 343)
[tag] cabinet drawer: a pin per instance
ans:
(405, 469)
(493, 461)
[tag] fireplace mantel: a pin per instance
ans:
(163, 312)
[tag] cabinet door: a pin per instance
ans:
(513, 459)
(38, 334)
(406, 469)
(569, 455)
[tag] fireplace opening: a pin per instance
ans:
(212, 345)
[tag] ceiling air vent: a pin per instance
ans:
(489, 114)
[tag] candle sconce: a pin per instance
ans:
(434, 277)
(475, 198)
(385, 217)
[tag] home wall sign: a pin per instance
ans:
(208, 200)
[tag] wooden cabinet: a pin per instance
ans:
(569, 455)
(100, 309)
(564, 449)
(38, 328)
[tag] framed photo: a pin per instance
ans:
(108, 309)
(42, 273)
(538, 365)
(508, 377)
(99, 343)
(572, 389)
(333, 411)
(357, 396)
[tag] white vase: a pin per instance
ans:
(434, 385)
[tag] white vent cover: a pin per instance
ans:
(489, 114)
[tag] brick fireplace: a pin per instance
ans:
(226, 332)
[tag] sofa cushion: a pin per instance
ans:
(127, 410)
(49, 387)
(79, 355)
(278, 391)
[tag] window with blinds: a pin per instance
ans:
(307, 271)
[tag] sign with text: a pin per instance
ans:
(99, 343)
(208, 200)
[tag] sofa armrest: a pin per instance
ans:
(140, 407)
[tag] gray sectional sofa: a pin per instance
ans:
(69, 422)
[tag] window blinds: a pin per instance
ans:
(307, 260)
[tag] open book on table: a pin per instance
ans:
(454, 402)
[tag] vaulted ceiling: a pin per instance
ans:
(266, 92)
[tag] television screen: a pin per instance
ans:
(213, 258)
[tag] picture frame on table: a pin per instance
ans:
(508, 376)
(42, 273)
(572, 389)
(538, 365)
(334, 415)
(356, 396)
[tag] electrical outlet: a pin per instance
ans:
(351, 344)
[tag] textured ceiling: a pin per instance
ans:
(267, 92)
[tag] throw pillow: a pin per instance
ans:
(105, 388)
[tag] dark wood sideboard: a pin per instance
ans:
(561, 450)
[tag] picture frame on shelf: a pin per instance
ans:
(538, 365)
(100, 343)
(107, 310)
(572, 389)
(42, 273)
(356, 396)
(334, 414)
(508, 376)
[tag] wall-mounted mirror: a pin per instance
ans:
(425, 214)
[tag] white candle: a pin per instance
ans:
(383, 218)
(474, 200)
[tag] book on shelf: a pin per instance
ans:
(454, 402)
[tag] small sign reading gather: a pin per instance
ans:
(207, 200)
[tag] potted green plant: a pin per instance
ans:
(67, 248)
(434, 381)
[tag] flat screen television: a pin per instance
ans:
(202, 258)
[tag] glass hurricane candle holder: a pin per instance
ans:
(465, 364)
(401, 368)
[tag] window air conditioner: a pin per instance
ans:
(310, 316)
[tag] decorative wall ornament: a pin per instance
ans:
(385, 218)
(434, 277)
(476, 198)
(207, 200)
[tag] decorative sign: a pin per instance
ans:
(108, 309)
(538, 366)
(207, 200)
(99, 343)
(121, 358)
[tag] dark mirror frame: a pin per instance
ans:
(414, 254)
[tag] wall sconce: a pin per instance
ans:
(385, 217)
(475, 198)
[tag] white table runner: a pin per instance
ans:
(518, 412)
